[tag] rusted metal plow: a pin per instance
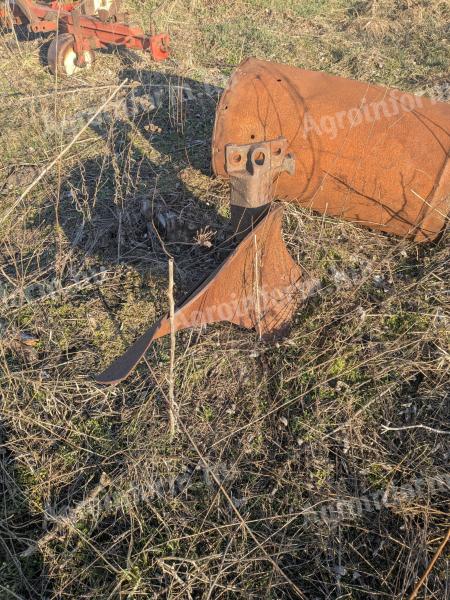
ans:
(82, 27)
(371, 155)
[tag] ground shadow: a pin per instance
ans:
(144, 199)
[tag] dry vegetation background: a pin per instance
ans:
(281, 427)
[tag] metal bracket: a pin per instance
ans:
(253, 169)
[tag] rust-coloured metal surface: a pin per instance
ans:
(372, 155)
(257, 286)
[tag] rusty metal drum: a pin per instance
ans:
(369, 154)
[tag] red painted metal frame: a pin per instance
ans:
(89, 31)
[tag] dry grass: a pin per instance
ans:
(264, 431)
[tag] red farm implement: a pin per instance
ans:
(81, 28)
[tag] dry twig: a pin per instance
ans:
(428, 570)
(172, 405)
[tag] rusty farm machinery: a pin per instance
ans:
(81, 27)
(368, 154)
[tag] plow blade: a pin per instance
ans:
(256, 287)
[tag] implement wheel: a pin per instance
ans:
(62, 59)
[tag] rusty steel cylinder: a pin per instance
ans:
(372, 155)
